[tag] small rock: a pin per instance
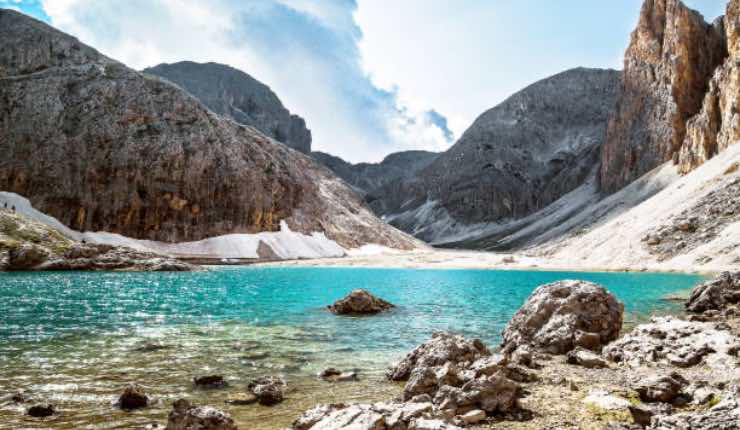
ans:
(603, 400)
(360, 302)
(473, 417)
(186, 416)
(662, 388)
(642, 414)
(241, 399)
(133, 397)
(19, 397)
(431, 424)
(40, 411)
(209, 382)
(268, 389)
(586, 358)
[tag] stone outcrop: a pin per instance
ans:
(133, 397)
(717, 125)
(560, 316)
(101, 147)
(187, 416)
(268, 389)
(30, 245)
(360, 302)
(209, 381)
(236, 95)
(672, 341)
(716, 294)
(667, 66)
(516, 158)
(369, 178)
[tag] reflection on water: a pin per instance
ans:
(76, 339)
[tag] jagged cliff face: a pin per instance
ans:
(717, 125)
(516, 158)
(667, 67)
(365, 178)
(102, 147)
(234, 94)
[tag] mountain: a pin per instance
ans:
(367, 177)
(102, 147)
(515, 159)
(667, 68)
(236, 95)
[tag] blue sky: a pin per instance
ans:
(370, 76)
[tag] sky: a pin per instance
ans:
(370, 77)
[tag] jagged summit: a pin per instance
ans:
(236, 95)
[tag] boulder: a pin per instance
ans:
(186, 416)
(643, 414)
(359, 302)
(494, 393)
(268, 389)
(209, 381)
(41, 411)
(586, 358)
(439, 350)
(663, 389)
(669, 340)
(26, 256)
(723, 416)
(133, 397)
(559, 316)
(716, 294)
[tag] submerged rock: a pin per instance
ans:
(186, 416)
(268, 389)
(360, 302)
(559, 316)
(716, 294)
(41, 411)
(334, 375)
(669, 340)
(209, 381)
(133, 397)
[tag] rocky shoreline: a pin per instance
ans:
(565, 362)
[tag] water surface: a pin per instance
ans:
(76, 338)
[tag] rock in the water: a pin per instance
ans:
(439, 350)
(557, 315)
(334, 375)
(268, 389)
(586, 358)
(209, 381)
(241, 399)
(669, 340)
(359, 302)
(715, 294)
(661, 388)
(186, 416)
(41, 411)
(133, 397)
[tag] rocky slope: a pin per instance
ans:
(236, 95)
(26, 244)
(667, 67)
(101, 147)
(369, 177)
(516, 158)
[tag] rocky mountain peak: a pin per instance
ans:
(670, 59)
(236, 95)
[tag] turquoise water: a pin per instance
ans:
(73, 337)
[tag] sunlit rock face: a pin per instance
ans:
(717, 125)
(672, 55)
(236, 95)
(102, 147)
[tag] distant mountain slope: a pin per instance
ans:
(367, 177)
(101, 147)
(234, 94)
(515, 159)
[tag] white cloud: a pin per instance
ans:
(306, 51)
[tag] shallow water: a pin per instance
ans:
(74, 338)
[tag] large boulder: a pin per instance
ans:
(672, 341)
(716, 294)
(439, 350)
(186, 416)
(360, 302)
(559, 316)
